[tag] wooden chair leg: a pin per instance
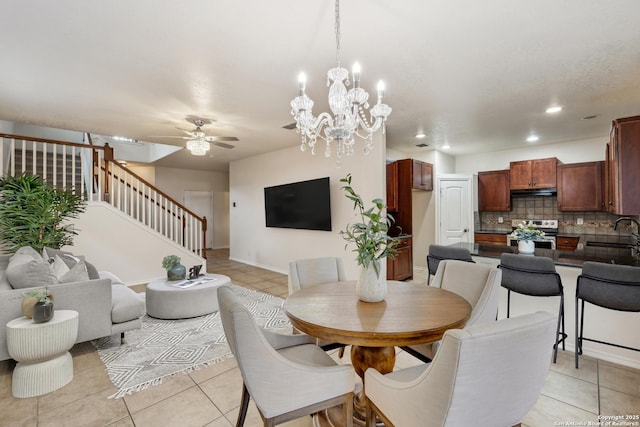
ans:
(341, 352)
(244, 405)
(348, 409)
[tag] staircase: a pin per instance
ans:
(91, 171)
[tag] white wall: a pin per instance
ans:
(589, 150)
(114, 242)
(273, 248)
(175, 182)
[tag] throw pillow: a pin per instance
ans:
(24, 271)
(60, 268)
(77, 273)
(71, 260)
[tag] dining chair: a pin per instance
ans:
(489, 374)
(534, 276)
(439, 253)
(479, 284)
(286, 375)
(616, 287)
(316, 271)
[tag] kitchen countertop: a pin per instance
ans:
(622, 256)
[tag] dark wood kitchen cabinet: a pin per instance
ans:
(493, 191)
(401, 266)
(533, 174)
(493, 239)
(418, 174)
(622, 176)
(392, 186)
(580, 187)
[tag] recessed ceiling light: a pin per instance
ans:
(421, 135)
(446, 146)
(554, 109)
(532, 138)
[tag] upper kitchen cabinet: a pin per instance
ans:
(493, 191)
(392, 186)
(418, 174)
(580, 186)
(622, 179)
(533, 174)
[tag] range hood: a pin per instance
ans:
(534, 192)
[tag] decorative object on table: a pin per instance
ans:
(33, 213)
(372, 244)
(175, 270)
(526, 233)
(348, 108)
(194, 272)
(38, 305)
(163, 348)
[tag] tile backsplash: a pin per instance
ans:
(546, 207)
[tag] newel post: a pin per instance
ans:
(204, 237)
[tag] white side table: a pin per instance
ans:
(42, 353)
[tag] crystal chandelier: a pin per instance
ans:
(348, 108)
(198, 147)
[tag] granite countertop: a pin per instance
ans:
(622, 256)
(492, 232)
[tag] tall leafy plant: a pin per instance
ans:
(33, 213)
(370, 235)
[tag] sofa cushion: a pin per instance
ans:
(77, 273)
(125, 304)
(25, 271)
(70, 259)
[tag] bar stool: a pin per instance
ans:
(616, 287)
(438, 253)
(534, 276)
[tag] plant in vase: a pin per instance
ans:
(175, 270)
(371, 243)
(38, 305)
(526, 233)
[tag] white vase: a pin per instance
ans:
(370, 287)
(526, 246)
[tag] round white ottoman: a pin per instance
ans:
(41, 350)
(165, 300)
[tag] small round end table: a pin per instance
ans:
(42, 353)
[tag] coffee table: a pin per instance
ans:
(166, 300)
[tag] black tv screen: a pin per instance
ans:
(304, 205)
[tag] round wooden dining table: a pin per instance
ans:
(410, 314)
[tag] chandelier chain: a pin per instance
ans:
(337, 29)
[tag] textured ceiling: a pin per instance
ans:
(476, 75)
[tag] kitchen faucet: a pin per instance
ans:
(635, 235)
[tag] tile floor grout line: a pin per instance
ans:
(598, 382)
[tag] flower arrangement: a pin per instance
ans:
(527, 231)
(170, 261)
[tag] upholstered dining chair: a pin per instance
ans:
(489, 374)
(439, 253)
(479, 284)
(534, 276)
(286, 376)
(316, 271)
(616, 287)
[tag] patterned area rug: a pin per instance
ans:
(168, 347)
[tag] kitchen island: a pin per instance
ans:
(608, 325)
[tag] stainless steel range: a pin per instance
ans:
(549, 226)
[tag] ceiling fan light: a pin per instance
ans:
(198, 147)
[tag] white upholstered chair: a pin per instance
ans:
(316, 271)
(286, 376)
(488, 375)
(479, 284)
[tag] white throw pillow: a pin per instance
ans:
(60, 268)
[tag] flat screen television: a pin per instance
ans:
(303, 205)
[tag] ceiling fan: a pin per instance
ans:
(198, 140)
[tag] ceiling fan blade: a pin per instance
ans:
(290, 126)
(212, 138)
(223, 145)
(169, 136)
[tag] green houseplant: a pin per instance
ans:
(33, 213)
(372, 243)
(175, 270)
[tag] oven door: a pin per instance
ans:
(541, 244)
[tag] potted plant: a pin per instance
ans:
(33, 213)
(526, 233)
(372, 243)
(38, 305)
(175, 270)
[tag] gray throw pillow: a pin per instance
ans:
(71, 260)
(24, 271)
(77, 273)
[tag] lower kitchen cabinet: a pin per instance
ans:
(567, 243)
(494, 239)
(401, 266)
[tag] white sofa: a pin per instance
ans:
(104, 308)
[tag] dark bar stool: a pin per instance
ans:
(438, 253)
(616, 287)
(535, 276)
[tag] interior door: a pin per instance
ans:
(455, 210)
(201, 203)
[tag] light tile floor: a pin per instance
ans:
(211, 396)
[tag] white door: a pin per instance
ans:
(201, 203)
(455, 210)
